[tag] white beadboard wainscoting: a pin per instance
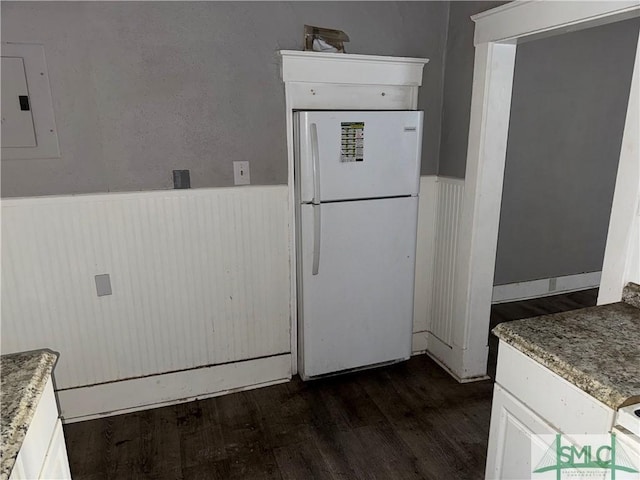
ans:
(425, 245)
(199, 278)
(439, 214)
(200, 290)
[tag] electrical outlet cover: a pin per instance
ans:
(103, 285)
(241, 173)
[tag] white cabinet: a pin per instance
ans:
(512, 427)
(56, 463)
(530, 400)
(43, 453)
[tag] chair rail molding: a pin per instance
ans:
(339, 81)
(497, 33)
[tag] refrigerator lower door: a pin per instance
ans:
(357, 310)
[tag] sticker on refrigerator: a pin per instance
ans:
(352, 142)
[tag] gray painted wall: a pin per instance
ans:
(141, 89)
(569, 103)
(457, 86)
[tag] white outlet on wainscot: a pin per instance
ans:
(241, 173)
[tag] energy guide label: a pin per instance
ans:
(352, 142)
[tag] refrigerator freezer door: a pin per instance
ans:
(358, 154)
(358, 309)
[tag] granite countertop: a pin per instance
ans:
(24, 376)
(597, 348)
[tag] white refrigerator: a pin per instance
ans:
(357, 177)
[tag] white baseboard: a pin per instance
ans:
(545, 287)
(456, 361)
(125, 396)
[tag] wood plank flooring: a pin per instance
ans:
(405, 421)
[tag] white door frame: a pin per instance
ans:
(622, 253)
(497, 33)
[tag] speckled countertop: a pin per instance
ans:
(24, 376)
(631, 294)
(597, 349)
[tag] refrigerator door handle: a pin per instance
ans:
(316, 238)
(315, 159)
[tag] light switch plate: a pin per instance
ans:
(241, 173)
(103, 285)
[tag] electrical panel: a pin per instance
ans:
(17, 121)
(28, 123)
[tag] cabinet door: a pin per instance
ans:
(56, 464)
(18, 471)
(510, 437)
(38, 437)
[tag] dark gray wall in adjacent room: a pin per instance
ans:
(141, 89)
(457, 86)
(569, 103)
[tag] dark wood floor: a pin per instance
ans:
(406, 421)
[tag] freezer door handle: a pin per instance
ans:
(316, 238)
(315, 159)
